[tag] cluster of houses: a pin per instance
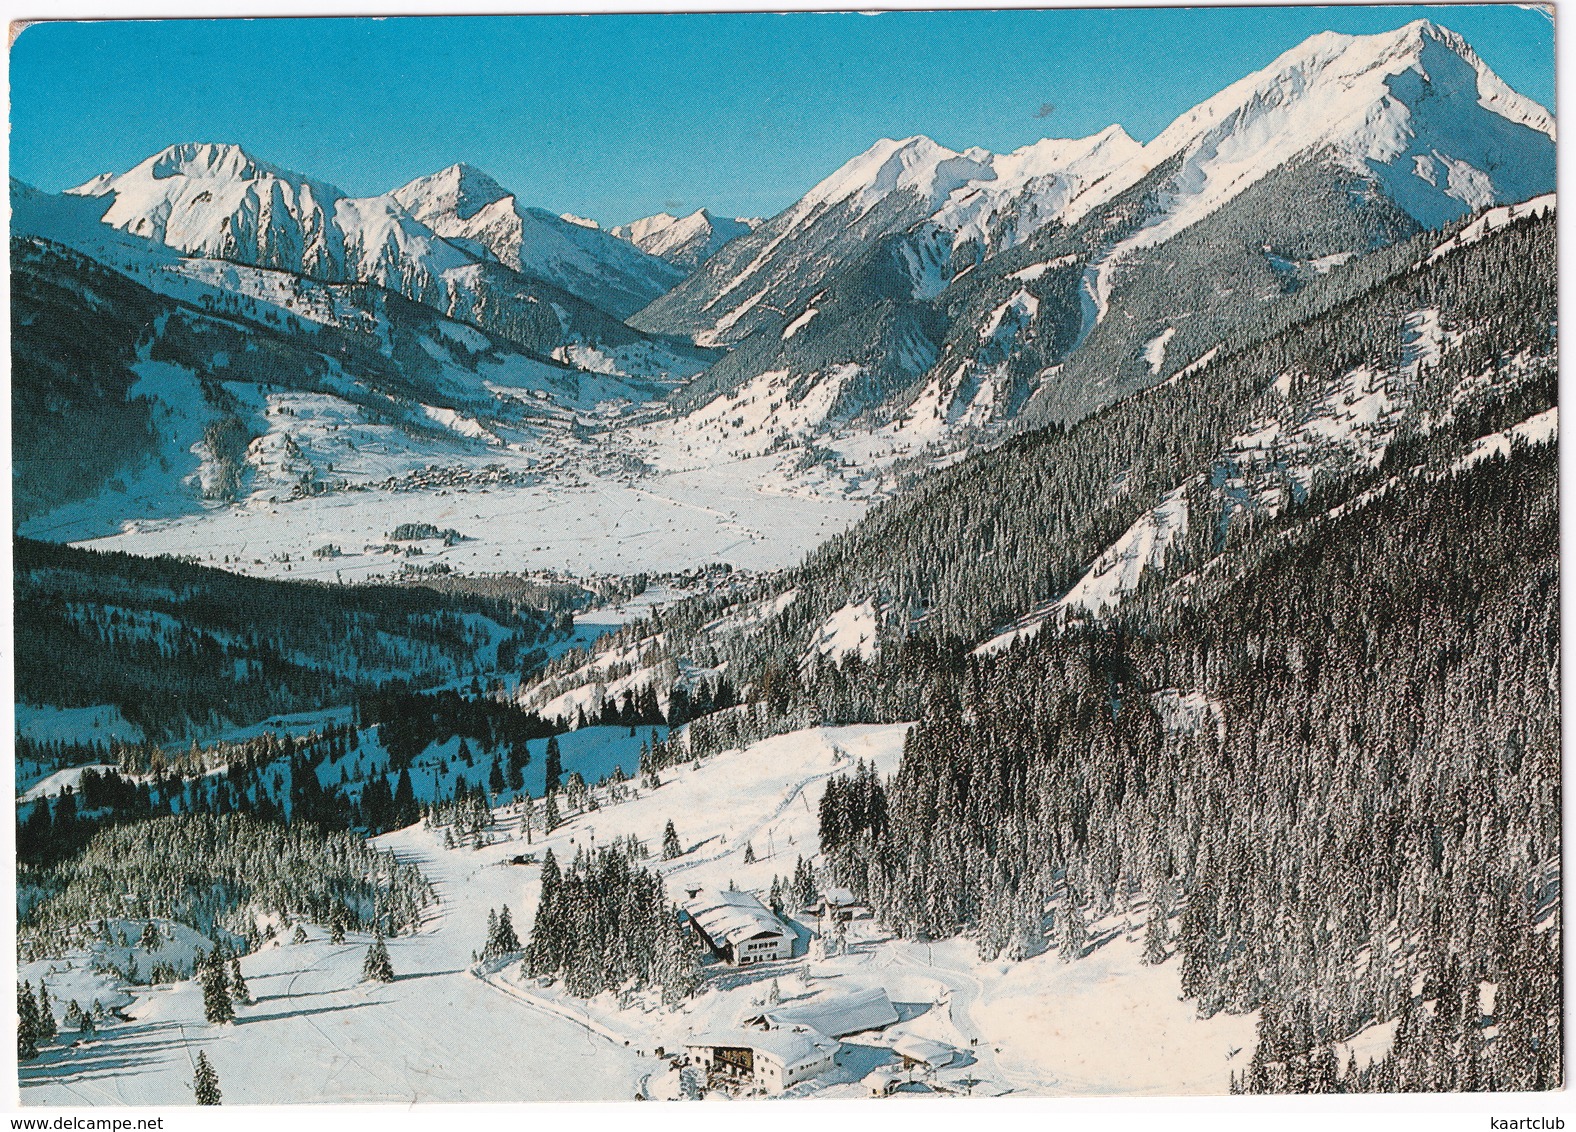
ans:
(775, 1047)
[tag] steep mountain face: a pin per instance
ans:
(456, 242)
(465, 205)
(1041, 285)
(759, 277)
(684, 241)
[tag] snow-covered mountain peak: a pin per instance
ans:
(92, 187)
(1108, 148)
(226, 162)
(197, 160)
(917, 164)
(219, 201)
(223, 163)
(461, 191)
(1415, 107)
(1021, 191)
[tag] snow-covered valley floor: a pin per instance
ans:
(550, 501)
(446, 1030)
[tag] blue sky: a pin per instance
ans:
(616, 117)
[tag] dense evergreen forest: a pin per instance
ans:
(227, 877)
(182, 648)
(1359, 821)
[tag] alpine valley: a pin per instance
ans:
(1081, 620)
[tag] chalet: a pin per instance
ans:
(769, 1060)
(738, 927)
(837, 905)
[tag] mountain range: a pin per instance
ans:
(930, 296)
(1058, 278)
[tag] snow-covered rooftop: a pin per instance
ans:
(838, 1015)
(934, 1054)
(732, 917)
(791, 1048)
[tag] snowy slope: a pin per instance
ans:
(1030, 187)
(448, 1029)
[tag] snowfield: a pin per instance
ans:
(555, 515)
(448, 1029)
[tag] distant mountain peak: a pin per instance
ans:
(684, 241)
(461, 190)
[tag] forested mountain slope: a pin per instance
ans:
(1405, 360)
(181, 648)
(1337, 757)
(1289, 690)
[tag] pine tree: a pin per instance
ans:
(377, 968)
(508, 941)
(216, 1005)
(1073, 934)
(749, 852)
(670, 842)
(336, 929)
(550, 818)
(1157, 935)
(26, 1023)
(47, 1030)
(205, 1083)
(151, 939)
(555, 765)
(406, 812)
(238, 989)
(299, 935)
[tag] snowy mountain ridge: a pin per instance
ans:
(464, 204)
(1341, 145)
(218, 201)
(1417, 108)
